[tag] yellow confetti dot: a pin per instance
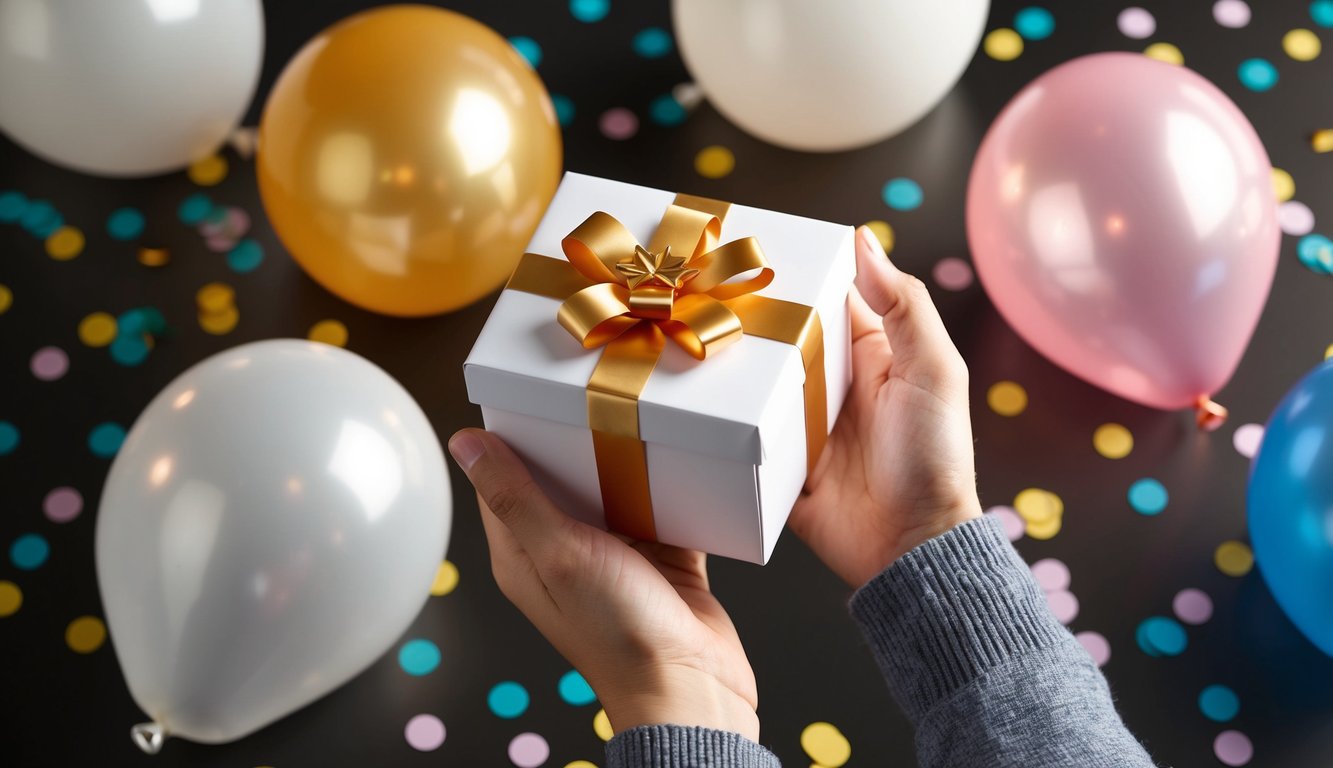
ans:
(1046, 529)
(446, 578)
(1037, 506)
(714, 162)
(85, 634)
(208, 171)
(1328, 353)
(1233, 558)
(1165, 52)
(825, 744)
(1113, 441)
(1301, 45)
(329, 332)
(219, 323)
(883, 232)
(580, 764)
(215, 297)
(1284, 187)
(65, 243)
(1003, 44)
(601, 725)
(11, 598)
(154, 257)
(1321, 140)
(6, 299)
(1007, 398)
(97, 329)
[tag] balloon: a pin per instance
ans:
(826, 76)
(271, 525)
(130, 88)
(406, 155)
(1122, 219)
(1291, 505)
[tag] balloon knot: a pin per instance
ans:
(1208, 414)
(149, 737)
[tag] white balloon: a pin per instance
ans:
(271, 525)
(826, 75)
(126, 87)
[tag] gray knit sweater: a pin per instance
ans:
(973, 656)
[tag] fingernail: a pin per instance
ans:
(466, 449)
(873, 248)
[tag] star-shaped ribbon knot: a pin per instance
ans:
(645, 267)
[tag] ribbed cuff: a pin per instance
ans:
(679, 746)
(950, 609)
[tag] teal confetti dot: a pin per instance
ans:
(528, 49)
(125, 223)
(419, 657)
(652, 43)
(1148, 496)
(9, 438)
(40, 219)
(665, 110)
(29, 551)
(1219, 703)
(589, 11)
(903, 194)
(1034, 23)
(105, 439)
(1257, 74)
(575, 690)
(1316, 252)
(195, 208)
(508, 700)
(154, 323)
(564, 108)
(1160, 636)
(1321, 12)
(246, 256)
(129, 351)
(12, 206)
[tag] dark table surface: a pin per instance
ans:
(64, 708)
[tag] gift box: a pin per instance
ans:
(669, 366)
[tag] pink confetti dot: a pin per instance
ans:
(1096, 645)
(50, 363)
(1009, 520)
(1231, 13)
(220, 243)
(618, 123)
(1247, 439)
(1295, 218)
(952, 274)
(1063, 605)
(424, 733)
(1051, 574)
(528, 750)
(1192, 606)
(1233, 748)
(1136, 23)
(62, 505)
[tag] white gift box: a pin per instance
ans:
(725, 437)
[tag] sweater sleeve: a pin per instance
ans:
(982, 669)
(678, 746)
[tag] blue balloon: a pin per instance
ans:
(1291, 505)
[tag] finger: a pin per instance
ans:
(864, 319)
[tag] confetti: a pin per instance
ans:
(1148, 496)
(1219, 703)
(1233, 14)
(601, 725)
(246, 256)
(1051, 574)
(564, 108)
(1257, 74)
(574, 689)
(40, 219)
(11, 598)
(105, 439)
(1192, 606)
(589, 11)
(129, 351)
(330, 332)
(508, 700)
(1096, 645)
(62, 505)
(652, 43)
(215, 297)
(1284, 188)
(6, 299)
(1233, 748)
(714, 162)
(825, 744)
(221, 322)
(29, 552)
(424, 733)
(1009, 520)
(1161, 636)
(1321, 141)
(154, 257)
(1113, 441)
(1295, 218)
(125, 224)
(665, 110)
(12, 206)
(902, 194)
(65, 243)
(528, 750)
(1003, 44)
(97, 329)
(882, 232)
(85, 634)
(9, 438)
(1316, 253)
(446, 579)
(1247, 438)
(1165, 52)
(195, 208)
(952, 273)
(1321, 12)
(618, 124)
(49, 363)
(580, 764)
(1034, 23)
(1038, 506)
(1136, 23)
(208, 171)
(528, 48)
(1301, 45)
(419, 657)
(1063, 605)
(1233, 558)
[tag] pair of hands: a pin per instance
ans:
(637, 618)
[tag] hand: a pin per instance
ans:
(635, 618)
(898, 467)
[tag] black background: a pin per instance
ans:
(61, 708)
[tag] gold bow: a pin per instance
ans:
(628, 299)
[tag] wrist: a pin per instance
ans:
(938, 524)
(683, 697)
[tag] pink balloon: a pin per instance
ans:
(1122, 219)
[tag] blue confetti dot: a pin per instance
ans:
(129, 351)
(195, 208)
(1316, 252)
(1219, 703)
(564, 108)
(589, 10)
(528, 49)
(1160, 636)
(140, 321)
(903, 194)
(12, 206)
(1034, 23)
(1257, 74)
(508, 700)
(419, 657)
(105, 439)
(9, 438)
(665, 110)
(1321, 11)
(652, 43)
(246, 256)
(125, 223)
(40, 219)
(29, 551)
(1147, 496)
(575, 690)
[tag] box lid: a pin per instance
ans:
(525, 362)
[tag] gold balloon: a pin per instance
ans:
(405, 157)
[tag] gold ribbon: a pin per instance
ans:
(629, 299)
